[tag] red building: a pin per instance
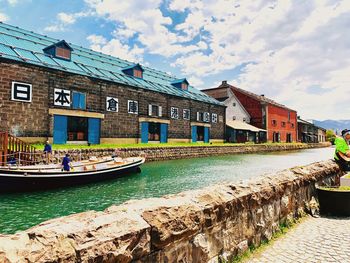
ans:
(279, 121)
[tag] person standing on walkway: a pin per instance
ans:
(342, 151)
(66, 163)
(48, 151)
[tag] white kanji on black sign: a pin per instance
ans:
(112, 104)
(21, 92)
(62, 97)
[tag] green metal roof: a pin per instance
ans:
(27, 47)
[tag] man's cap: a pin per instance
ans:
(344, 132)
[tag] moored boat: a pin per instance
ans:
(42, 177)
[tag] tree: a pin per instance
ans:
(330, 136)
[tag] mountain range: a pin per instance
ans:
(336, 125)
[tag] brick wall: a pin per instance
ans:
(33, 120)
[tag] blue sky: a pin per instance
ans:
(295, 52)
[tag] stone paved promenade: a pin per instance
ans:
(313, 240)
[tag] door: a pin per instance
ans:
(144, 132)
(206, 134)
(94, 130)
(194, 133)
(164, 133)
(60, 129)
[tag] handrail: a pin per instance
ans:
(10, 144)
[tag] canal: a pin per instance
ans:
(23, 210)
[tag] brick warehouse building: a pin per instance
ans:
(279, 121)
(52, 89)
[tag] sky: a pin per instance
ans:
(294, 52)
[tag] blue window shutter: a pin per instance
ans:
(76, 100)
(94, 130)
(163, 133)
(82, 101)
(60, 129)
(206, 134)
(194, 133)
(144, 132)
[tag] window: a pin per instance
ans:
(244, 119)
(234, 104)
(79, 100)
(186, 114)
(221, 118)
(206, 117)
(112, 104)
(184, 86)
(174, 113)
(133, 106)
(283, 124)
(199, 116)
(138, 73)
(214, 118)
(288, 115)
(62, 53)
(274, 122)
(234, 118)
(292, 125)
(154, 110)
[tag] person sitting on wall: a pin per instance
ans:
(342, 152)
(66, 163)
(48, 151)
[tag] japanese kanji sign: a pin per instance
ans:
(62, 97)
(111, 104)
(21, 92)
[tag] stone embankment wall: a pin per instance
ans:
(170, 153)
(204, 225)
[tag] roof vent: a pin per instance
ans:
(224, 82)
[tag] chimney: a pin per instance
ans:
(224, 83)
(262, 95)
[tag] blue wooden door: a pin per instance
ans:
(206, 134)
(163, 133)
(94, 130)
(144, 132)
(60, 123)
(194, 133)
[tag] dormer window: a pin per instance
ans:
(180, 84)
(63, 53)
(59, 50)
(134, 71)
(138, 73)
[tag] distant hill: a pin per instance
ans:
(336, 125)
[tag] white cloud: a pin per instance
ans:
(297, 52)
(3, 17)
(115, 48)
(65, 19)
(12, 2)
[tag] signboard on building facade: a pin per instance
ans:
(62, 98)
(112, 104)
(21, 92)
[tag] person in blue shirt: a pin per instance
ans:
(65, 163)
(48, 151)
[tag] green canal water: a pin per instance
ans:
(23, 210)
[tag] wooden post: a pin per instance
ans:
(5, 145)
